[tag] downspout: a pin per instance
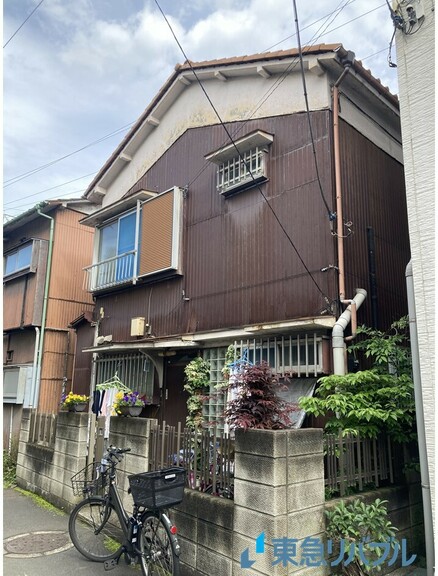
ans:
(35, 362)
(338, 339)
(45, 302)
(419, 411)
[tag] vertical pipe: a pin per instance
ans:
(421, 432)
(45, 303)
(372, 276)
(338, 187)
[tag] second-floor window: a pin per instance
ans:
(136, 237)
(239, 170)
(117, 246)
(243, 163)
(18, 260)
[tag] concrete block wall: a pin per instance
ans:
(279, 490)
(134, 433)
(47, 471)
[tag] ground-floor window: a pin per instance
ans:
(135, 370)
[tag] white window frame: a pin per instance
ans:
(242, 164)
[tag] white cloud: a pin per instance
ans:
(79, 70)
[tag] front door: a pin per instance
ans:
(174, 396)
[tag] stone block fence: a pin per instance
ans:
(279, 494)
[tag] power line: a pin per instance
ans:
(16, 179)
(240, 156)
(48, 189)
(21, 25)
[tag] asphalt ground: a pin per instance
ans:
(36, 542)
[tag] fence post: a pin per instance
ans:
(279, 494)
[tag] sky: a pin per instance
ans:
(78, 73)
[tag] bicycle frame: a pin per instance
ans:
(129, 546)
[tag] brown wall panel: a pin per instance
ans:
(22, 343)
(72, 251)
(243, 266)
(374, 196)
(156, 234)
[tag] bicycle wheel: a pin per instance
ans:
(158, 557)
(95, 530)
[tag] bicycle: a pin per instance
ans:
(102, 530)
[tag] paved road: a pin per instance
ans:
(36, 543)
(43, 547)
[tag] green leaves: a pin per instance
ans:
(370, 401)
(358, 522)
(196, 384)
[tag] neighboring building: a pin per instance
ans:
(42, 292)
(189, 255)
(416, 75)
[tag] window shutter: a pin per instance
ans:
(159, 233)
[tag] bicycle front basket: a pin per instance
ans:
(158, 489)
(88, 480)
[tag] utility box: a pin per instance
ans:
(137, 326)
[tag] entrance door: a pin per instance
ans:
(174, 396)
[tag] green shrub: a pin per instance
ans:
(359, 523)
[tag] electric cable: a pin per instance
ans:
(303, 79)
(16, 179)
(240, 157)
(12, 181)
(48, 189)
(23, 23)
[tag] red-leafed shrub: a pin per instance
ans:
(256, 404)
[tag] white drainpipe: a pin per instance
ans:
(338, 338)
(32, 399)
(421, 431)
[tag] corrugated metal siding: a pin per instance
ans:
(57, 365)
(72, 251)
(374, 195)
(238, 265)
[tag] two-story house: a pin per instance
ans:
(225, 221)
(45, 250)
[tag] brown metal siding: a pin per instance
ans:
(57, 365)
(239, 267)
(156, 234)
(374, 195)
(23, 296)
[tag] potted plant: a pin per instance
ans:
(74, 402)
(129, 403)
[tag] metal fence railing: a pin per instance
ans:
(351, 462)
(206, 454)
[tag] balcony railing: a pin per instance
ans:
(111, 272)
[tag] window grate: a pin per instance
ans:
(241, 169)
(136, 371)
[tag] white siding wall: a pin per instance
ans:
(416, 65)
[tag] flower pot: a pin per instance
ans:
(80, 407)
(130, 410)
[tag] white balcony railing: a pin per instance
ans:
(111, 272)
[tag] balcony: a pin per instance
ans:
(115, 271)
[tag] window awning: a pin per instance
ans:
(116, 208)
(296, 389)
